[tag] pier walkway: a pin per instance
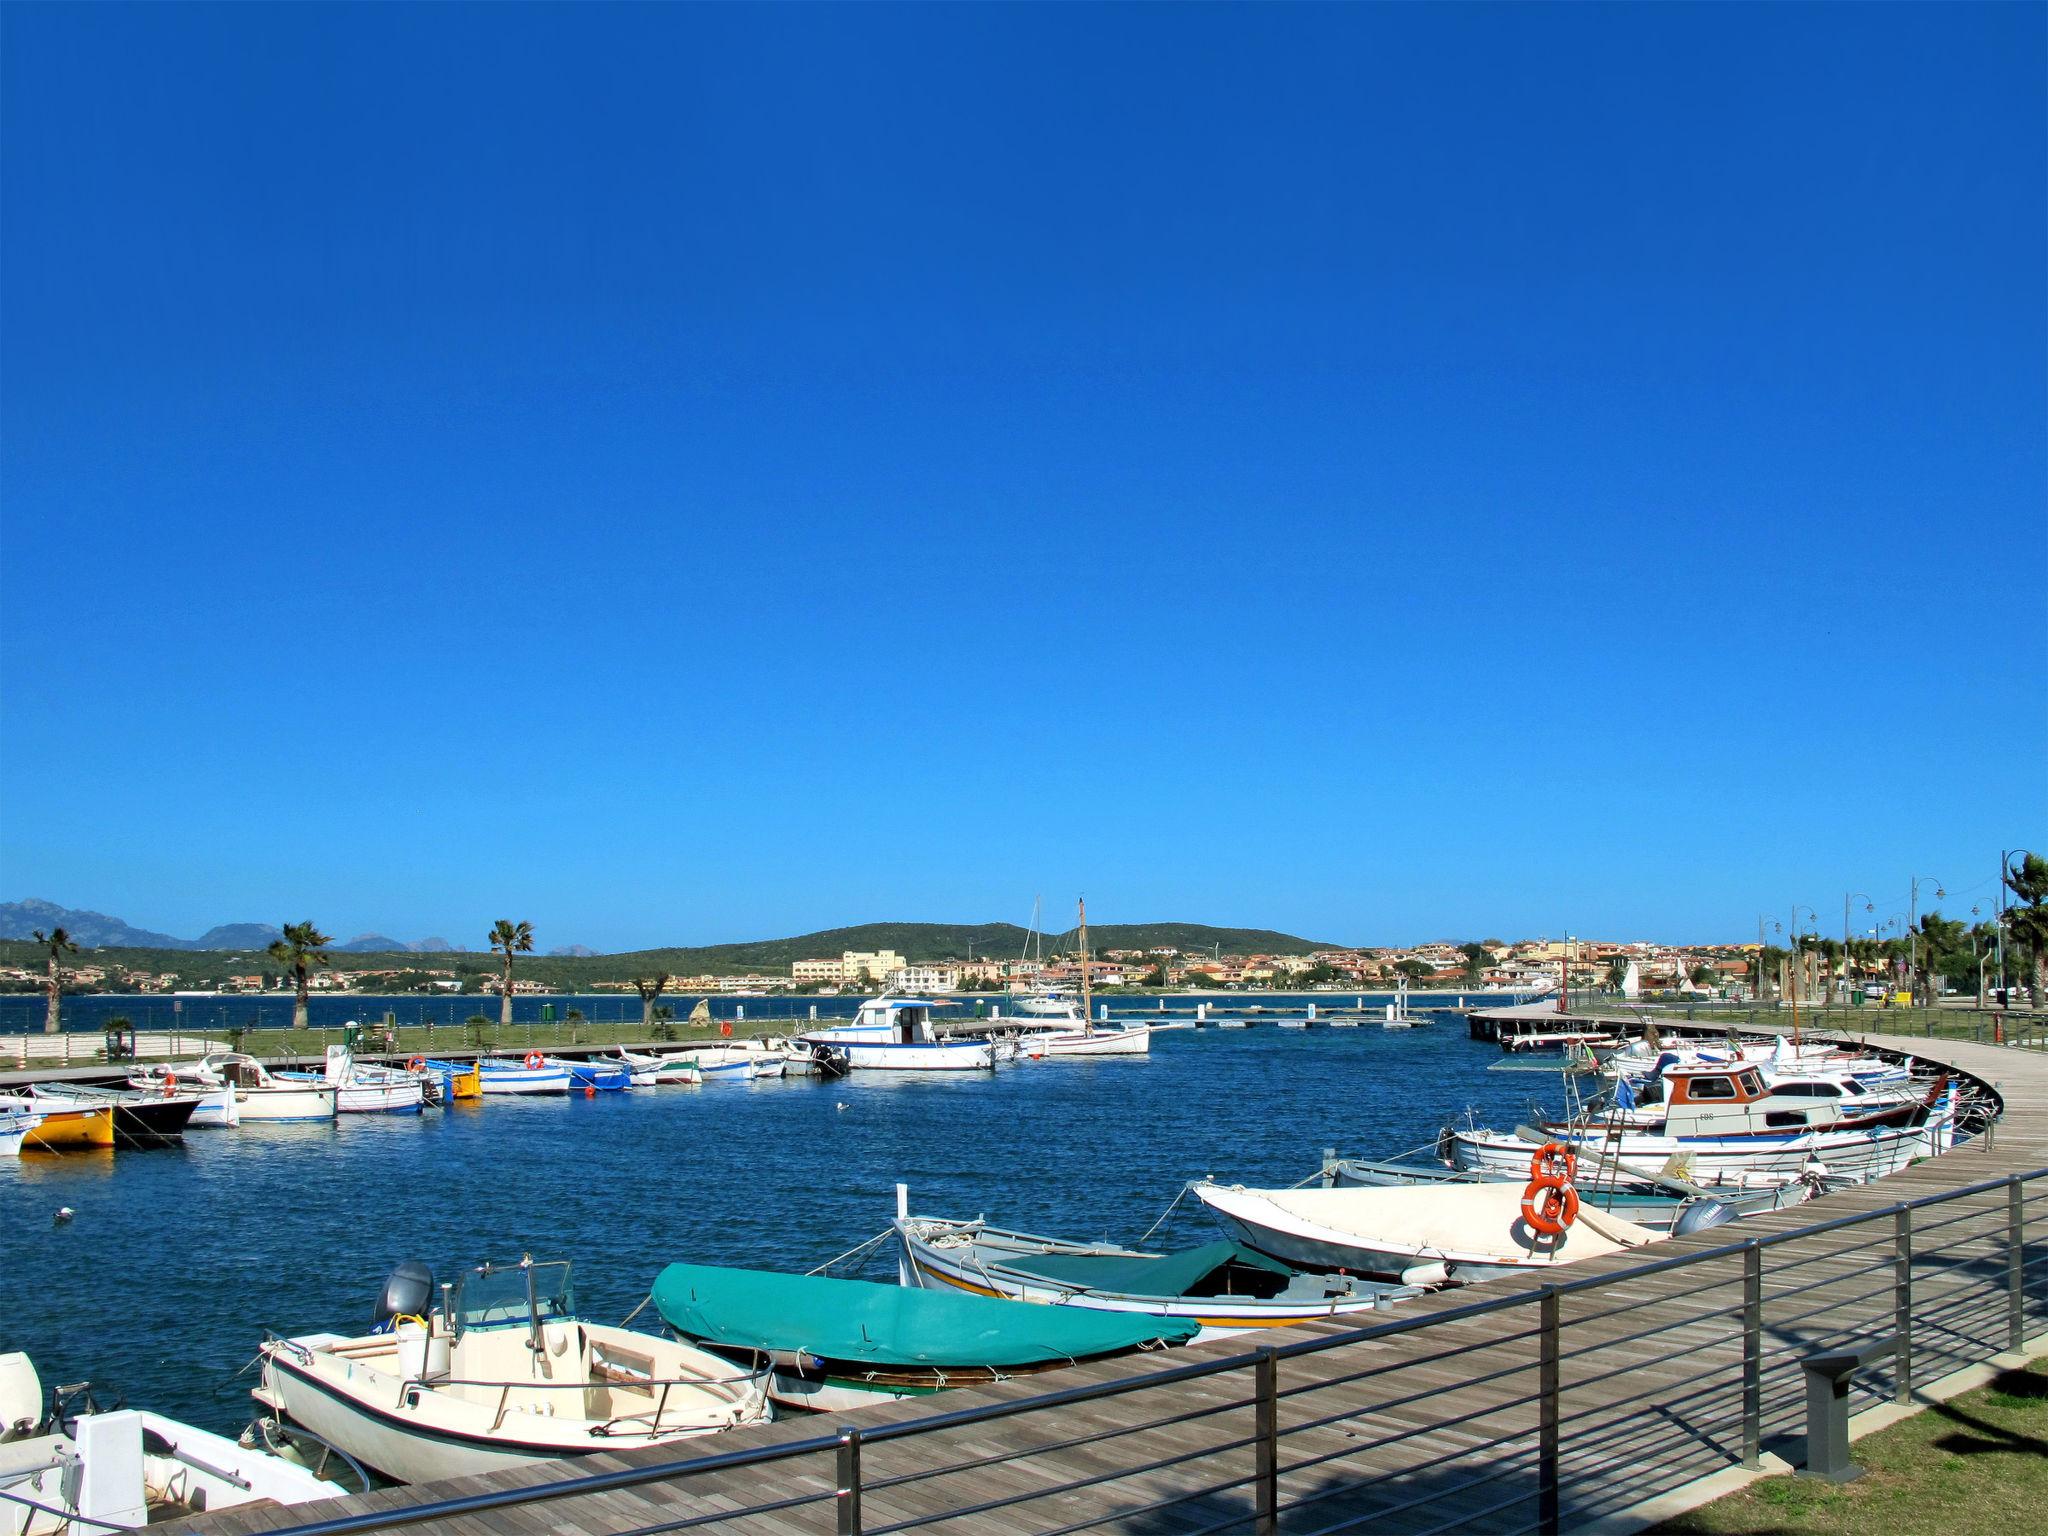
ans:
(1513, 1407)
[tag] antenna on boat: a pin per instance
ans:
(1087, 997)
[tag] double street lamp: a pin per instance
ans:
(1868, 906)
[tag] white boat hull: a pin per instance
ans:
(1852, 1156)
(1134, 1041)
(494, 1081)
(309, 1103)
(385, 1098)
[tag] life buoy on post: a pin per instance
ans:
(1549, 1203)
(534, 1061)
(725, 1028)
(415, 1063)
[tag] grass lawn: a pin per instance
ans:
(1975, 1464)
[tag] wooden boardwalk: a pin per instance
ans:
(1435, 1428)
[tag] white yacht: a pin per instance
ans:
(895, 1034)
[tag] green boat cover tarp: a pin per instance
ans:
(890, 1324)
(1162, 1274)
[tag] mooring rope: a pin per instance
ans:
(857, 1250)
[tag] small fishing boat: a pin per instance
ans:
(1456, 1234)
(49, 1127)
(677, 1069)
(1224, 1288)
(142, 1120)
(217, 1109)
(77, 1468)
(534, 1074)
(895, 1034)
(840, 1344)
(459, 1083)
(15, 1124)
(599, 1074)
(364, 1089)
(260, 1094)
(503, 1373)
(1658, 1205)
(641, 1071)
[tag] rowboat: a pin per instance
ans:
(47, 1128)
(502, 1374)
(1223, 1288)
(840, 1344)
(534, 1074)
(895, 1034)
(141, 1120)
(1456, 1234)
(1096, 1040)
(92, 1469)
(677, 1069)
(641, 1071)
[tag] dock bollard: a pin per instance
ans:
(1827, 1410)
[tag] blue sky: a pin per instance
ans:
(695, 473)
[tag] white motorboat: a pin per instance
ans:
(503, 1374)
(1457, 1234)
(1718, 1121)
(260, 1094)
(79, 1469)
(535, 1074)
(895, 1034)
(15, 1124)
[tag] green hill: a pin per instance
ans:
(916, 942)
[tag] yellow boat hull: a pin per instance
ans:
(466, 1085)
(63, 1130)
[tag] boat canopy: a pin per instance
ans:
(890, 1324)
(1190, 1273)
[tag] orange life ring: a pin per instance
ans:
(1549, 1203)
(170, 1084)
(534, 1061)
(415, 1063)
(1550, 1208)
(725, 1028)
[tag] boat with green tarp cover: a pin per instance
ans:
(836, 1344)
(1222, 1287)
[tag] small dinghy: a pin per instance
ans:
(75, 1468)
(1455, 1234)
(1223, 1288)
(839, 1344)
(502, 1374)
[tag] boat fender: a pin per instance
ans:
(534, 1061)
(1433, 1273)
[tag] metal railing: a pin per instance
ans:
(1524, 1411)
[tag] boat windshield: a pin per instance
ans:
(496, 1294)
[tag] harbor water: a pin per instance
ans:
(160, 1286)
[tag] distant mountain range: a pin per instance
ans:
(916, 942)
(96, 930)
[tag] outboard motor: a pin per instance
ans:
(1700, 1215)
(408, 1292)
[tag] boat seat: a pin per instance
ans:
(18, 1458)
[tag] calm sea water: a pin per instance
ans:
(176, 1260)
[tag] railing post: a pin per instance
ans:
(1266, 1442)
(1549, 1436)
(1902, 1300)
(2015, 1266)
(1752, 1354)
(847, 1496)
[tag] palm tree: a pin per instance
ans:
(509, 938)
(303, 944)
(59, 944)
(649, 988)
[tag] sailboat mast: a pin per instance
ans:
(1087, 996)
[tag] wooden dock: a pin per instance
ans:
(1507, 1408)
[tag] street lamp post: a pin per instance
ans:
(1868, 906)
(1813, 917)
(1913, 930)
